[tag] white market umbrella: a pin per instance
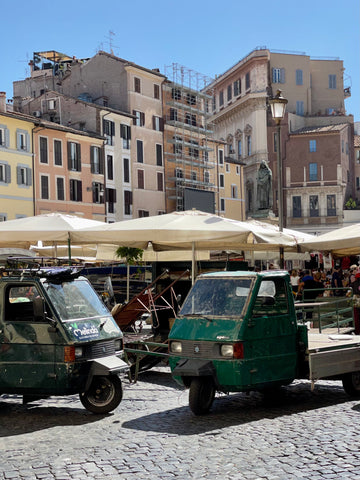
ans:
(185, 231)
(50, 228)
(339, 242)
(189, 230)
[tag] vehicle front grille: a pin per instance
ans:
(200, 349)
(100, 349)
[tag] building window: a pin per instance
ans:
(312, 145)
(5, 173)
(109, 131)
(125, 134)
(179, 173)
(331, 205)
(137, 85)
(190, 119)
(75, 190)
(248, 145)
(221, 180)
(299, 77)
(221, 157)
(190, 99)
(314, 206)
(127, 202)
(159, 155)
(227, 168)
(156, 91)
(222, 204)
(24, 176)
(214, 103)
(160, 181)
(237, 169)
(60, 188)
(247, 81)
(4, 134)
(157, 123)
(143, 213)
(206, 176)
(58, 153)
(44, 150)
(229, 93)
(278, 75)
(139, 151)
(111, 199)
(194, 152)
(300, 108)
(173, 114)
(332, 81)
(141, 183)
(96, 160)
(296, 202)
(110, 167)
(239, 148)
(44, 182)
(177, 147)
(176, 94)
(98, 192)
(221, 98)
(237, 88)
(233, 191)
(139, 119)
(74, 156)
(313, 172)
(22, 140)
(193, 176)
(126, 165)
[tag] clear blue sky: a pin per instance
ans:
(207, 37)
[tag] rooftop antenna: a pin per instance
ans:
(110, 38)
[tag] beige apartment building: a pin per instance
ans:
(121, 86)
(316, 95)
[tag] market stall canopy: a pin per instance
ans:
(188, 230)
(50, 228)
(340, 242)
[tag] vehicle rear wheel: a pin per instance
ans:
(351, 384)
(201, 395)
(104, 395)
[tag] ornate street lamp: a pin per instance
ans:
(278, 107)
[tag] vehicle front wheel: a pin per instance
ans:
(104, 395)
(201, 395)
(351, 384)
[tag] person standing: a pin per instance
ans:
(294, 280)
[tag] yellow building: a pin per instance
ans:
(16, 164)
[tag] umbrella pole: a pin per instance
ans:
(193, 263)
(69, 248)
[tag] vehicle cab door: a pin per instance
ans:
(271, 333)
(27, 358)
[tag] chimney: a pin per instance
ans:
(2, 102)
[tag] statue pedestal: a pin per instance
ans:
(263, 213)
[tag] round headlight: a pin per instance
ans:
(175, 347)
(227, 350)
(78, 352)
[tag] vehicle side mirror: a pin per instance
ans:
(38, 307)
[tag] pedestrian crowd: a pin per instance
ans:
(309, 284)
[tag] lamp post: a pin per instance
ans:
(278, 106)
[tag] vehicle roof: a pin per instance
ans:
(243, 273)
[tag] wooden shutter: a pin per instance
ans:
(92, 154)
(78, 157)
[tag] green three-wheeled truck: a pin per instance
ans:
(58, 338)
(238, 331)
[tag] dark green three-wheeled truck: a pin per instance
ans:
(238, 332)
(58, 338)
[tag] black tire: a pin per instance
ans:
(351, 384)
(201, 395)
(104, 394)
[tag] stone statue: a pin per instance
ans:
(264, 187)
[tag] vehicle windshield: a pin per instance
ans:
(75, 300)
(217, 297)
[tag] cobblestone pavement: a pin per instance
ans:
(153, 434)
